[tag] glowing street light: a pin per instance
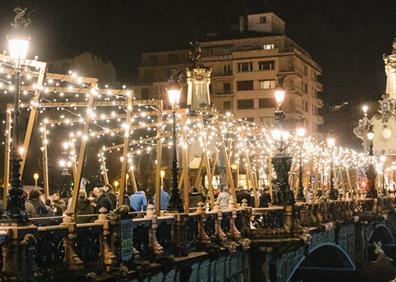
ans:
(18, 44)
(36, 178)
(174, 93)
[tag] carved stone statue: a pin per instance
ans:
(22, 18)
(195, 53)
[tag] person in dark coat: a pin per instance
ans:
(83, 207)
(102, 201)
(195, 197)
(265, 198)
(243, 194)
(110, 194)
(39, 206)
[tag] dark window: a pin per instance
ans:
(245, 104)
(148, 75)
(266, 103)
(243, 67)
(245, 85)
(305, 88)
(172, 58)
(227, 105)
(250, 119)
(153, 59)
(227, 70)
(145, 94)
(266, 65)
(263, 20)
(227, 88)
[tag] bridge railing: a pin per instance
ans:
(125, 241)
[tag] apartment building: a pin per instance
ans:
(245, 63)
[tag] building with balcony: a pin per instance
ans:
(245, 63)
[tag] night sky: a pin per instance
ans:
(347, 38)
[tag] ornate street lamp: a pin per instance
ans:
(300, 132)
(371, 173)
(281, 161)
(174, 93)
(18, 44)
(333, 195)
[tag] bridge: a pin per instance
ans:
(333, 227)
(279, 243)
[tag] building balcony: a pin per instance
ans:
(319, 119)
(292, 70)
(318, 86)
(222, 74)
(319, 103)
(225, 93)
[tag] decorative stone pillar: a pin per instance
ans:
(19, 243)
(203, 237)
(233, 229)
(108, 256)
(72, 259)
(180, 235)
(219, 231)
(156, 248)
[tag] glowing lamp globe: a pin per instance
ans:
(370, 135)
(174, 94)
(36, 176)
(300, 132)
(276, 134)
(386, 133)
(365, 109)
(330, 142)
(18, 47)
(279, 95)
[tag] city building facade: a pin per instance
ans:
(86, 64)
(245, 64)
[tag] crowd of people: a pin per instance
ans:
(104, 197)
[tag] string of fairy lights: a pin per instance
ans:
(63, 107)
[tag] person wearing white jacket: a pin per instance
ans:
(224, 198)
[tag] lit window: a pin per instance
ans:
(268, 46)
(267, 84)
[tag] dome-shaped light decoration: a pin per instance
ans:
(386, 133)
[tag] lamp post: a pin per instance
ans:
(300, 132)
(116, 183)
(371, 173)
(174, 93)
(18, 44)
(162, 174)
(383, 160)
(36, 178)
(333, 195)
(281, 161)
